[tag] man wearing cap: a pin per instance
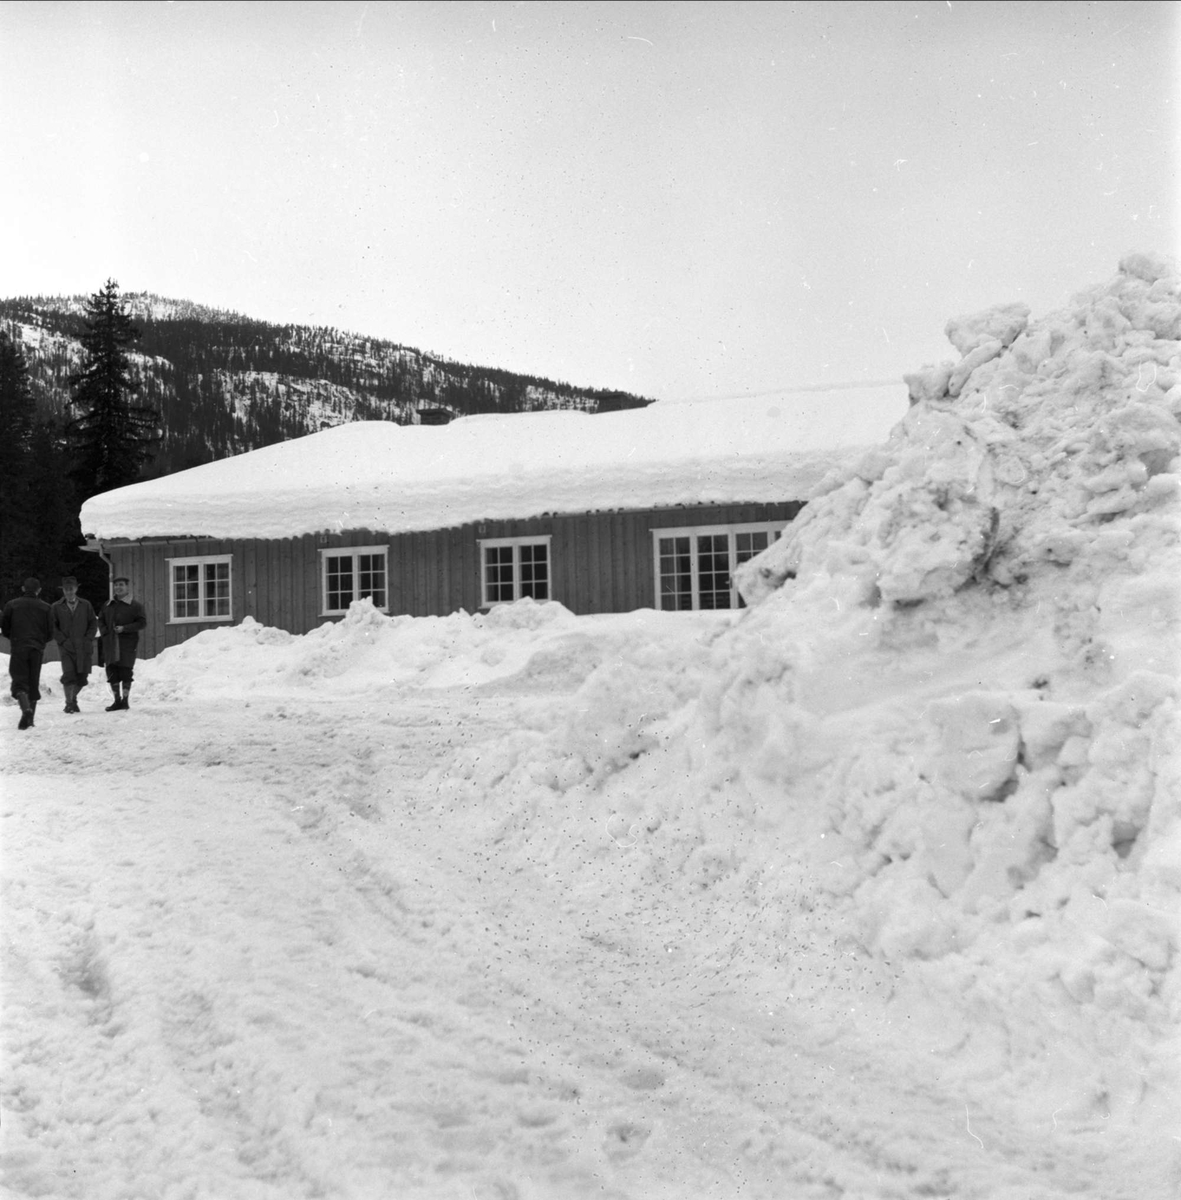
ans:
(119, 622)
(25, 622)
(74, 625)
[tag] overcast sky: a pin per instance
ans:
(675, 199)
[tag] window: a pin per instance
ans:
(199, 589)
(513, 568)
(695, 567)
(353, 573)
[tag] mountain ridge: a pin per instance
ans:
(226, 383)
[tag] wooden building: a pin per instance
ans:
(595, 562)
(643, 508)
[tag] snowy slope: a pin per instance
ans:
(225, 384)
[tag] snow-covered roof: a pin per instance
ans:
(401, 478)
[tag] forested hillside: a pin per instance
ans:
(224, 383)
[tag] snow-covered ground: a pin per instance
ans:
(869, 891)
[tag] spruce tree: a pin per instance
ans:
(112, 436)
(17, 465)
(39, 530)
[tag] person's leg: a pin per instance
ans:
(113, 683)
(70, 679)
(18, 671)
(34, 669)
(35, 657)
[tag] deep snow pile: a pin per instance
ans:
(933, 770)
(527, 642)
(1016, 823)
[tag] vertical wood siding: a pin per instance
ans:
(601, 562)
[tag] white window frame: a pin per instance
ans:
(202, 597)
(773, 529)
(536, 539)
(353, 552)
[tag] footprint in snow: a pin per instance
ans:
(644, 1079)
(626, 1139)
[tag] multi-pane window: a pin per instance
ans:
(199, 589)
(695, 567)
(354, 573)
(674, 571)
(713, 570)
(513, 568)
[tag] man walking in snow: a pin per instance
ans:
(74, 625)
(25, 622)
(119, 622)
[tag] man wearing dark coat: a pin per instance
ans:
(119, 623)
(74, 625)
(25, 622)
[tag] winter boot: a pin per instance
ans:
(32, 712)
(22, 698)
(126, 695)
(118, 701)
(71, 691)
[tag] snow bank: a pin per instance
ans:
(368, 650)
(399, 478)
(977, 636)
(935, 763)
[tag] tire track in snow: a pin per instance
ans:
(335, 996)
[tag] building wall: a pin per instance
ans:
(600, 562)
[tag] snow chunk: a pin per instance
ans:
(1149, 267)
(978, 743)
(1000, 324)
(930, 383)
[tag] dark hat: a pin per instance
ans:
(69, 581)
(32, 586)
